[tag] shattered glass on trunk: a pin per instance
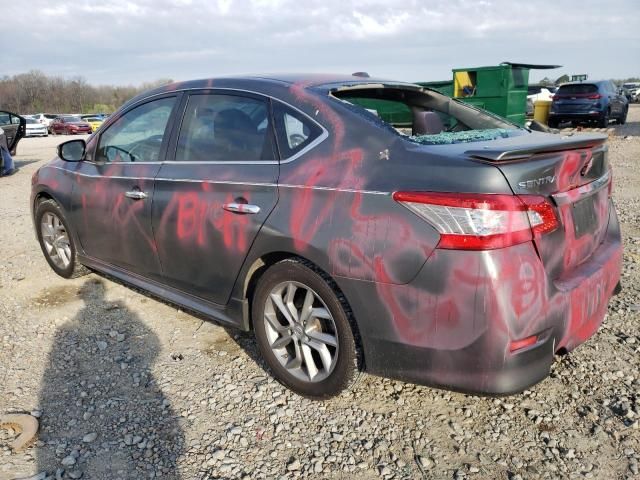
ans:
(466, 136)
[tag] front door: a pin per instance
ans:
(114, 188)
(213, 196)
(14, 127)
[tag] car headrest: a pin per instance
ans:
(427, 123)
(232, 119)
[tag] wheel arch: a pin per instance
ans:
(42, 195)
(261, 264)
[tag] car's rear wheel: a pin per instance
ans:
(56, 240)
(304, 330)
(623, 119)
(604, 120)
(553, 123)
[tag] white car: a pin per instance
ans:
(35, 129)
(44, 118)
(538, 92)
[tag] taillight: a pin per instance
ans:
(481, 221)
(596, 96)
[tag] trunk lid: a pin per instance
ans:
(574, 174)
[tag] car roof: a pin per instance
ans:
(586, 82)
(261, 82)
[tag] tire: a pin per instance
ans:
(623, 119)
(64, 264)
(553, 123)
(603, 122)
(313, 368)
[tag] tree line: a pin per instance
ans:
(565, 78)
(35, 92)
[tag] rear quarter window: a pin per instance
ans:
(294, 132)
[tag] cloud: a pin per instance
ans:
(126, 41)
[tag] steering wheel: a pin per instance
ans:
(115, 148)
(147, 149)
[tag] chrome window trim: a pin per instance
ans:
(321, 138)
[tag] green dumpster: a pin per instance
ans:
(501, 89)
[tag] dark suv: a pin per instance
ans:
(461, 252)
(592, 102)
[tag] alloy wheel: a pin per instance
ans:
(301, 331)
(56, 240)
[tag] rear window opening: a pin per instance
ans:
(424, 116)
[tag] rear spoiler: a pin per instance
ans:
(520, 152)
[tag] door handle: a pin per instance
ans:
(241, 208)
(136, 195)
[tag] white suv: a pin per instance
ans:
(44, 118)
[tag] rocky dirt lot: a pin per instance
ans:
(127, 387)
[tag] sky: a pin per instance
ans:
(129, 42)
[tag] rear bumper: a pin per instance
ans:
(585, 116)
(454, 324)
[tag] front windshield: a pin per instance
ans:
(72, 119)
(30, 120)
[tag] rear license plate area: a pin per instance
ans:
(584, 217)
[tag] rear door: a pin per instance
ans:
(14, 127)
(113, 191)
(213, 195)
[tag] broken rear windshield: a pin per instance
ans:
(424, 116)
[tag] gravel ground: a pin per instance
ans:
(127, 387)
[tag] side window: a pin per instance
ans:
(293, 130)
(15, 120)
(219, 127)
(137, 135)
(4, 118)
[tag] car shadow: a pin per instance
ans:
(23, 163)
(104, 416)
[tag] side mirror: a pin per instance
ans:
(72, 151)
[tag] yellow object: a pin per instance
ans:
(460, 81)
(541, 109)
(94, 122)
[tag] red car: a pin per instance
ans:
(69, 125)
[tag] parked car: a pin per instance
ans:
(631, 90)
(464, 254)
(13, 128)
(94, 122)
(69, 125)
(45, 118)
(35, 128)
(588, 102)
(538, 92)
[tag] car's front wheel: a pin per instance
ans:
(304, 330)
(56, 240)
